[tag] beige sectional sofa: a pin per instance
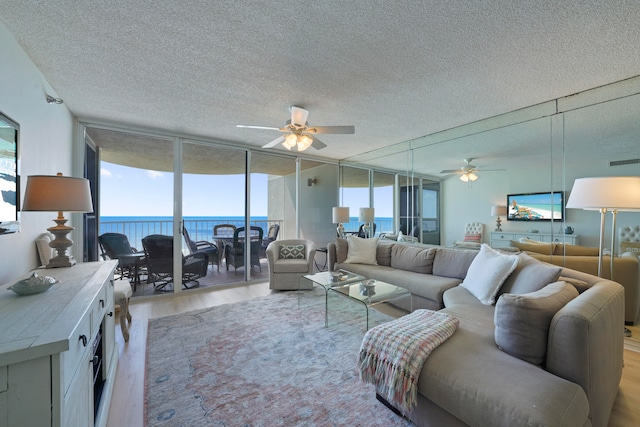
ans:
(507, 364)
(626, 268)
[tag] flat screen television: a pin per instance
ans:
(535, 206)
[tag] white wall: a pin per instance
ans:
(45, 147)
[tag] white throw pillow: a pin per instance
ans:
(487, 273)
(361, 251)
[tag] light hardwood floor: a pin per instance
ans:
(127, 404)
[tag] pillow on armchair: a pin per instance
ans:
(292, 252)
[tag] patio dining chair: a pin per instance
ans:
(234, 250)
(211, 249)
(131, 261)
(159, 252)
(272, 235)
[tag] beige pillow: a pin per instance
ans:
(522, 321)
(362, 251)
(487, 273)
(529, 276)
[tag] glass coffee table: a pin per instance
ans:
(369, 293)
(327, 281)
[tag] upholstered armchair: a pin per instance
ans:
(288, 261)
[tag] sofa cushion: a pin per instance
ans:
(580, 285)
(453, 262)
(544, 248)
(522, 321)
(291, 265)
(529, 276)
(383, 253)
(292, 252)
(342, 249)
(575, 250)
(362, 251)
(487, 273)
(412, 258)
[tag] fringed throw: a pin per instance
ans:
(392, 354)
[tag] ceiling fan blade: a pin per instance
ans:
(275, 142)
(299, 116)
(317, 144)
(257, 127)
(451, 171)
(332, 129)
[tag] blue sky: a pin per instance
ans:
(126, 191)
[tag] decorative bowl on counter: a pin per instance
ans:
(33, 285)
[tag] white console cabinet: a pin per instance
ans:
(500, 239)
(51, 351)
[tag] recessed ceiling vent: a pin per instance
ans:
(624, 162)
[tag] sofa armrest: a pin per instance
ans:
(586, 345)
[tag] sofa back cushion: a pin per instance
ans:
(453, 263)
(522, 321)
(412, 258)
(487, 273)
(383, 252)
(544, 248)
(575, 250)
(529, 276)
(342, 249)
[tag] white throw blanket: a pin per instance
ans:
(392, 354)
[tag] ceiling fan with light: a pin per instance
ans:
(299, 134)
(468, 172)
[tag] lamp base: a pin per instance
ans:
(340, 231)
(60, 244)
(498, 224)
(63, 261)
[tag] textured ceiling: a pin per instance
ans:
(395, 70)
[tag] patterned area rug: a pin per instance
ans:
(262, 362)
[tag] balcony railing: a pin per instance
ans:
(136, 230)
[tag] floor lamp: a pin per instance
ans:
(614, 194)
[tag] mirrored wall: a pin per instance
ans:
(542, 148)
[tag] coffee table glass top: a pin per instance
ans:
(326, 280)
(381, 292)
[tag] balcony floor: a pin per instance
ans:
(214, 278)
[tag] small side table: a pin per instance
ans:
(326, 258)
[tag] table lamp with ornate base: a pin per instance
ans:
(58, 194)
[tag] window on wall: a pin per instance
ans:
(430, 229)
(383, 196)
(354, 194)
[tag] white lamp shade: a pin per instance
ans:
(340, 215)
(367, 214)
(498, 210)
(57, 194)
(620, 193)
